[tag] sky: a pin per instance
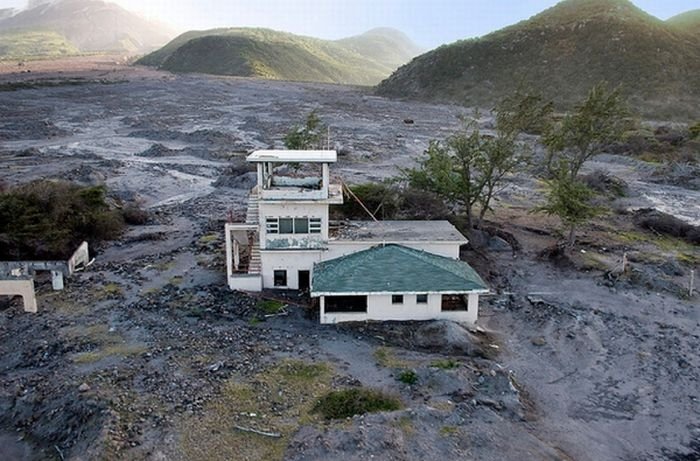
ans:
(429, 23)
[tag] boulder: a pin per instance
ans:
(447, 337)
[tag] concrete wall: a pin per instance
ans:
(292, 261)
(293, 210)
(23, 288)
(379, 307)
(242, 282)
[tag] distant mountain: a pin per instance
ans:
(87, 25)
(249, 52)
(562, 52)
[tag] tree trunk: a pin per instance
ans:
(572, 237)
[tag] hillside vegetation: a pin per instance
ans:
(75, 26)
(561, 53)
(250, 52)
(38, 43)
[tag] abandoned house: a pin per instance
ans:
(359, 270)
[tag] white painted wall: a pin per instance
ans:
(243, 282)
(23, 288)
(379, 307)
(292, 261)
(293, 210)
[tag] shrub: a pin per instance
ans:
(381, 199)
(408, 377)
(447, 364)
(694, 131)
(358, 401)
(48, 219)
(135, 215)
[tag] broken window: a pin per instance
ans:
(345, 304)
(454, 303)
(396, 299)
(315, 225)
(422, 299)
(272, 225)
(280, 278)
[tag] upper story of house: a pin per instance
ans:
(292, 196)
(296, 176)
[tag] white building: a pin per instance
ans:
(359, 270)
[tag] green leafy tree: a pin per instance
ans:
(467, 169)
(306, 136)
(570, 200)
(600, 120)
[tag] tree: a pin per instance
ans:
(600, 120)
(570, 200)
(467, 169)
(307, 136)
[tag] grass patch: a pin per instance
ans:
(278, 399)
(447, 431)
(445, 364)
(405, 424)
(209, 238)
(118, 350)
(110, 291)
(357, 401)
(386, 357)
(408, 377)
(270, 306)
(175, 280)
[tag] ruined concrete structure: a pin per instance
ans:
(359, 270)
(17, 277)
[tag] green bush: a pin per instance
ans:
(447, 364)
(386, 200)
(49, 219)
(358, 401)
(408, 377)
(694, 131)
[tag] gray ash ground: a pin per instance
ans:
(140, 350)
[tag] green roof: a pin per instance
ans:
(394, 269)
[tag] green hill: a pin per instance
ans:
(248, 52)
(688, 22)
(562, 52)
(16, 44)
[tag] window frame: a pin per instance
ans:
(396, 299)
(284, 279)
(423, 296)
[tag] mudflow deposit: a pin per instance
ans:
(148, 355)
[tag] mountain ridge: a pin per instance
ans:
(561, 52)
(89, 25)
(363, 59)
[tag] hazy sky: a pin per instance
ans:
(428, 22)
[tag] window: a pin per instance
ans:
(280, 278)
(396, 299)
(286, 225)
(454, 303)
(422, 299)
(293, 225)
(272, 225)
(314, 225)
(301, 225)
(345, 304)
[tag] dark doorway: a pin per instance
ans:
(304, 280)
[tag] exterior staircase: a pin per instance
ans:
(254, 264)
(252, 215)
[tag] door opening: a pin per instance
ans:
(304, 280)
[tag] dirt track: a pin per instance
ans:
(601, 372)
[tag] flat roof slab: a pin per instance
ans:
(301, 156)
(398, 231)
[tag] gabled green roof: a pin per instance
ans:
(394, 269)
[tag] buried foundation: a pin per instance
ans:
(17, 277)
